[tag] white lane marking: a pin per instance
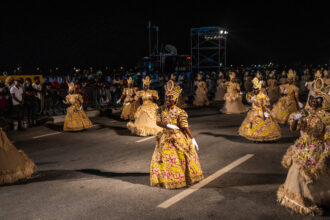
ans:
(44, 135)
(204, 182)
(145, 139)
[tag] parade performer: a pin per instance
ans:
(273, 90)
(14, 164)
(289, 102)
(221, 89)
(260, 78)
(145, 116)
(306, 189)
(283, 80)
(258, 125)
(175, 162)
(130, 105)
(181, 101)
(201, 92)
(233, 97)
(76, 118)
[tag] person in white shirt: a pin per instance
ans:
(16, 92)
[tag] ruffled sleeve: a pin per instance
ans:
(183, 119)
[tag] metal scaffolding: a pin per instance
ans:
(208, 48)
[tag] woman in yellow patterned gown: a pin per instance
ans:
(175, 162)
(289, 102)
(258, 125)
(201, 92)
(130, 105)
(307, 187)
(145, 116)
(14, 164)
(233, 97)
(76, 118)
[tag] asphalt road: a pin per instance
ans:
(103, 173)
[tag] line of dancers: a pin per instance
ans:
(175, 163)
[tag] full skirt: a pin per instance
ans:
(76, 120)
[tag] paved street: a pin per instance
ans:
(103, 173)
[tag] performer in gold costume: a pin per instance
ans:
(289, 102)
(283, 80)
(258, 125)
(307, 186)
(201, 92)
(175, 162)
(14, 164)
(273, 90)
(76, 118)
(221, 90)
(233, 97)
(130, 105)
(260, 78)
(145, 116)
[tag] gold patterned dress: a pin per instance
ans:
(287, 104)
(307, 186)
(273, 90)
(233, 99)
(130, 105)
(256, 127)
(14, 164)
(175, 162)
(76, 118)
(145, 116)
(221, 90)
(201, 94)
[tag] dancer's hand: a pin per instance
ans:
(306, 83)
(266, 114)
(173, 127)
(241, 93)
(285, 92)
(300, 105)
(252, 100)
(297, 116)
(118, 101)
(195, 144)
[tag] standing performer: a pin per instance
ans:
(14, 164)
(175, 162)
(130, 105)
(260, 78)
(273, 91)
(233, 97)
(307, 186)
(258, 125)
(201, 92)
(145, 116)
(221, 90)
(76, 118)
(289, 102)
(283, 80)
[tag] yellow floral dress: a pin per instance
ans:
(14, 164)
(256, 127)
(76, 118)
(130, 104)
(307, 186)
(201, 94)
(273, 90)
(145, 116)
(175, 162)
(287, 104)
(233, 99)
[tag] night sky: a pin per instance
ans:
(285, 33)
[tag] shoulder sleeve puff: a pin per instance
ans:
(183, 119)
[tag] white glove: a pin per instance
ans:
(329, 92)
(285, 92)
(173, 127)
(306, 83)
(252, 100)
(266, 114)
(241, 93)
(80, 107)
(297, 116)
(300, 105)
(118, 101)
(195, 144)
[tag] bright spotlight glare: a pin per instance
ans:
(221, 32)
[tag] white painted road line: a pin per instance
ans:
(145, 139)
(45, 135)
(204, 182)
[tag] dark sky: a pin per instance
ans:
(285, 33)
